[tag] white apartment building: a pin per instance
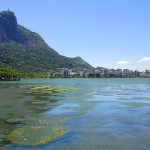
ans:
(84, 73)
(65, 72)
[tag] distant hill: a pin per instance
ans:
(26, 51)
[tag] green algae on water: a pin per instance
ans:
(50, 88)
(35, 135)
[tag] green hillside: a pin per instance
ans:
(27, 52)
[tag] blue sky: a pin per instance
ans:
(108, 33)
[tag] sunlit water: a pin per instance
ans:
(97, 114)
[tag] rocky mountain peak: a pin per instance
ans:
(8, 27)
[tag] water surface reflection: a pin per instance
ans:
(64, 114)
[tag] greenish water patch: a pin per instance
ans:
(49, 89)
(136, 104)
(123, 98)
(22, 121)
(36, 131)
(54, 114)
(35, 135)
(141, 98)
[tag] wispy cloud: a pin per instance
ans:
(146, 59)
(123, 62)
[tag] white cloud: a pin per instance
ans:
(146, 59)
(123, 62)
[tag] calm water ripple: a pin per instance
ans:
(76, 114)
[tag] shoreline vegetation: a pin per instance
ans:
(7, 74)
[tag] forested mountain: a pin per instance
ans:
(26, 51)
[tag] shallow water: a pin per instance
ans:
(91, 114)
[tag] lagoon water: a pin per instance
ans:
(87, 114)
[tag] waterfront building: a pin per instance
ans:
(147, 73)
(118, 72)
(125, 73)
(84, 73)
(104, 72)
(66, 72)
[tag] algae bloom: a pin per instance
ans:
(35, 135)
(50, 88)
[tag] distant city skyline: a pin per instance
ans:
(97, 73)
(111, 33)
